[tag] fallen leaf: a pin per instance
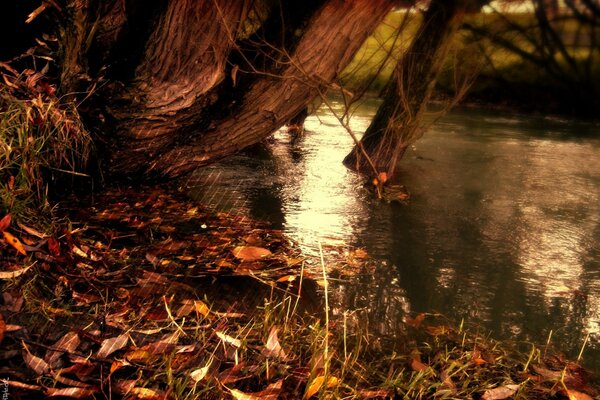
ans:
(4, 222)
(198, 374)
(500, 393)
(38, 365)
(414, 322)
(14, 242)
(13, 274)
(270, 393)
(417, 365)
(81, 369)
(146, 394)
(68, 343)
(476, 357)
(575, 395)
(32, 232)
(13, 302)
(250, 253)
(53, 247)
(72, 392)
(201, 308)
(79, 252)
(21, 385)
(140, 356)
(317, 383)
(13, 328)
(111, 345)
(228, 339)
(287, 278)
(70, 382)
(415, 362)
(272, 347)
(124, 387)
(2, 327)
(547, 374)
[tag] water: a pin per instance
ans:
(502, 230)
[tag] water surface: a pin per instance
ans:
(502, 230)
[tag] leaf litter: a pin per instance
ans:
(120, 303)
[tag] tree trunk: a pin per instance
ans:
(334, 35)
(397, 122)
(177, 84)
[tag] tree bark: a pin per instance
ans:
(169, 138)
(397, 122)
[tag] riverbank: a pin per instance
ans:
(145, 294)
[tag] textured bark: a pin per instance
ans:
(397, 122)
(334, 34)
(183, 60)
(188, 83)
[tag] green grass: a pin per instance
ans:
(41, 138)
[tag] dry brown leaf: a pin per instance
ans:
(414, 322)
(140, 356)
(2, 327)
(21, 385)
(287, 278)
(185, 309)
(14, 242)
(38, 365)
(72, 392)
(13, 301)
(415, 362)
(251, 253)
(123, 387)
(13, 328)
(4, 222)
(476, 357)
(500, 393)
(575, 395)
(81, 369)
(317, 383)
(270, 393)
(68, 343)
(32, 232)
(70, 382)
(273, 347)
(14, 274)
(111, 345)
(146, 394)
(417, 365)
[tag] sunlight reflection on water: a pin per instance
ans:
(503, 227)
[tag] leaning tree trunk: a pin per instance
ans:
(397, 122)
(192, 87)
(334, 34)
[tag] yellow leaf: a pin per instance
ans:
(287, 278)
(14, 242)
(201, 308)
(575, 395)
(317, 383)
(145, 393)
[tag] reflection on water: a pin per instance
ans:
(503, 228)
